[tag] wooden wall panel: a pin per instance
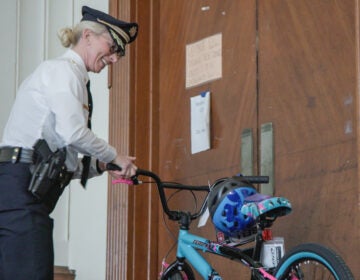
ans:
(132, 211)
(307, 88)
(119, 202)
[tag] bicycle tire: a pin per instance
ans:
(178, 271)
(312, 261)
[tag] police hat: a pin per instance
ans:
(122, 32)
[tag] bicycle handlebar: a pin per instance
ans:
(253, 179)
(173, 214)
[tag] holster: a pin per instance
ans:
(48, 170)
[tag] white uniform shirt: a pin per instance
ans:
(51, 104)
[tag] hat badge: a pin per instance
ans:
(132, 31)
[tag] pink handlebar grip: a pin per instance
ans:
(122, 181)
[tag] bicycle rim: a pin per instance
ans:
(312, 261)
(177, 275)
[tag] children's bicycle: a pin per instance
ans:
(241, 217)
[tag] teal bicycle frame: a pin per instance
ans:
(187, 243)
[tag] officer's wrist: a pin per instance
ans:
(100, 166)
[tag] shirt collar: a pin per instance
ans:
(75, 58)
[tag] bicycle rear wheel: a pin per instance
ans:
(312, 261)
(178, 271)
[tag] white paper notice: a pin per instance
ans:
(200, 122)
(204, 61)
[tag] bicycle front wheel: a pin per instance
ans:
(312, 261)
(178, 271)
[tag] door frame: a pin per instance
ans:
(132, 238)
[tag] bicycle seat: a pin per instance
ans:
(264, 206)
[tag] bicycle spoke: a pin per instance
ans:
(309, 270)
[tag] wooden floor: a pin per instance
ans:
(63, 273)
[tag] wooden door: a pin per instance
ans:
(307, 89)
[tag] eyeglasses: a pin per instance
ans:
(113, 48)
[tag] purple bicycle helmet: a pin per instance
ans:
(225, 201)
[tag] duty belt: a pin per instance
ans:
(16, 154)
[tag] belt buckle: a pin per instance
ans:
(15, 155)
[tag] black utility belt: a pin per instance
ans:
(16, 154)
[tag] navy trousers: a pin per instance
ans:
(26, 244)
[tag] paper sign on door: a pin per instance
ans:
(200, 122)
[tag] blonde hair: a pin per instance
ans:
(71, 36)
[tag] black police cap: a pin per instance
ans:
(121, 32)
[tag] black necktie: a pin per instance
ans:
(87, 159)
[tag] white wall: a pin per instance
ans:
(28, 37)
(7, 59)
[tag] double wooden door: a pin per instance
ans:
(292, 64)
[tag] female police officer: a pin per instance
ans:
(52, 109)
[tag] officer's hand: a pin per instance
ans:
(128, 168)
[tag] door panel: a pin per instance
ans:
(233, 98)
(307, 87)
